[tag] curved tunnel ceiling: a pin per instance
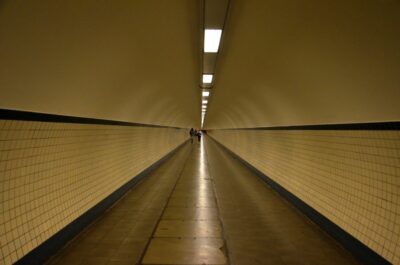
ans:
(307, 62)
(281, 63)
(135, 61)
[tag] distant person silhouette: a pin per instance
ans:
(192, 132)
(199, 135)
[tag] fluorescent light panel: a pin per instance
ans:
(212, 38)
(207, 78)
(206, 93)
(205, 101)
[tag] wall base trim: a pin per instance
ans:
(48, 248)
(362, 252)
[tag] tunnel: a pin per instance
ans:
(236, 132)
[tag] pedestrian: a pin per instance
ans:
(199, 135)
(191, 133)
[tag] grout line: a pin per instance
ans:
(228, 257)
(163, 211)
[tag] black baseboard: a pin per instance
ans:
(362, 252)
(48, 248)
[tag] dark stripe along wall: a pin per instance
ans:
(345, 177)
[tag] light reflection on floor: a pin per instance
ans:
(173, 218)
(195, 233)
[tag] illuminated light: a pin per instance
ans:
(207, 78)
(205, 101)
(206, 93)
(212, 38)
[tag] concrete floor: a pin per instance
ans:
(202, 207)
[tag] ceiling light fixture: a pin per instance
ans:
(206, 93)
(207, 78)
(212, 39)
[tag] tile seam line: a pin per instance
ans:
(166, 205)
(228, 256)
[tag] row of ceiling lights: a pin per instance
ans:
(214, 15)
(212, 38)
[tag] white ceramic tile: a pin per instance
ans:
(351, 177)
(51, 173)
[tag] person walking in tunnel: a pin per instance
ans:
(191, 133)
(199, 135)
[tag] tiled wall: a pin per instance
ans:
(351, 177)
(51, 173)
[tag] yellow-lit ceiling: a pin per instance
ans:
(281, 62)
(136, 61)
(307, 62)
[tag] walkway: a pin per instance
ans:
(202, 207)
